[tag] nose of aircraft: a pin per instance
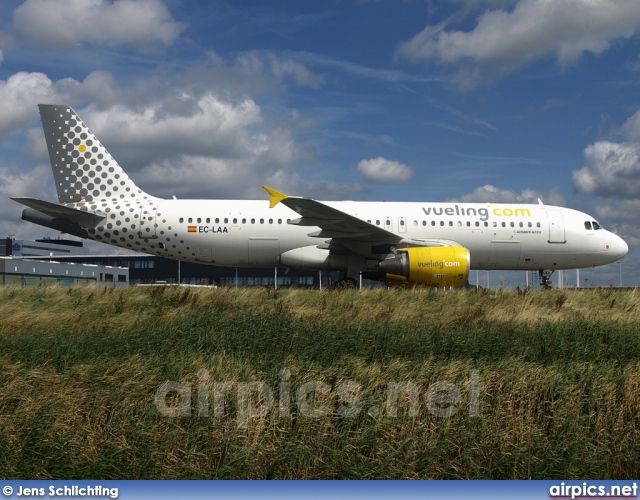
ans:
(619, 247)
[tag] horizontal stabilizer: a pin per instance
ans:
(84, 219)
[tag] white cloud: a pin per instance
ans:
(15, 183)
(611, 169)
(222, 148)
(290, 183)
(623, 216)
(158, 126)
(492, 194)
(20, 94)
(139, 23)
(504, 41)
(384, 171)
(300, 74)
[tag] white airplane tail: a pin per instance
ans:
(83, 169)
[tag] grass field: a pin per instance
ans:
(304, 384)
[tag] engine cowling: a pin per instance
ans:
(432, 266)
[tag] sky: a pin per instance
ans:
(397, 100)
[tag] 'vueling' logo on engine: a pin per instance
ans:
(439, 265)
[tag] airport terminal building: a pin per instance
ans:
(70, 257)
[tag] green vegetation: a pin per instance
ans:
(557, 383)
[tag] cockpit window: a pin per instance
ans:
(587, 225)
(596, 225)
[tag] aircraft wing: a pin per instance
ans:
(333, 223)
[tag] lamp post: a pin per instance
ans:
(620, 264)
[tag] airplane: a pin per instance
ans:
(399, 243)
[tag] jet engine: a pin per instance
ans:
(432, 266)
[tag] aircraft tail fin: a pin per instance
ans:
(83, 169)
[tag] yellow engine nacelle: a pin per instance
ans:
(433, 266)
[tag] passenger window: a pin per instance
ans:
(587, 225)
(199, 220)
(261, 221)
(208, 220)
(424, 222)
(513, 224)
(433, 223)
(253, 221)
(442, 223)
(451, 223)
(244, 221)
(190, 220)
(401, 222)
(387, 222)
(537, 224)
(377, 223)
(181, 220)
(529, 224)
(270, 221)
(477, 224)
(217, 220)
(235, 221)
(504, 224)
(226, 220)
(279, 221)
(521, 224)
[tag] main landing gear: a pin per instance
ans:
(545, 282)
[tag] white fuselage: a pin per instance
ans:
(243, 233)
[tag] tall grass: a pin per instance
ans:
(559, 375)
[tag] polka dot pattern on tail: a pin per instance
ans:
(83, 169)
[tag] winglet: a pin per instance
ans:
(275, 197)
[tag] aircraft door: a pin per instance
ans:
(147, 228)
(556, 227)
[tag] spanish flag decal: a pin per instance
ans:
(192, 229)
